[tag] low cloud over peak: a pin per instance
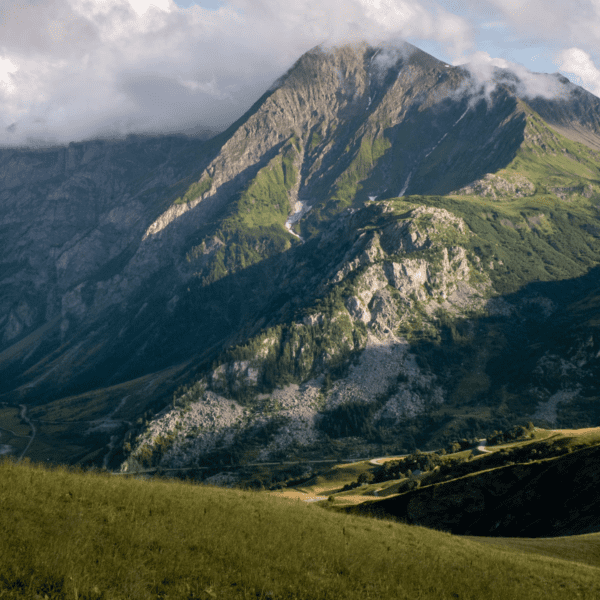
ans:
(75, 69)
(488, 72)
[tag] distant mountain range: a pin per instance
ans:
(384, 253)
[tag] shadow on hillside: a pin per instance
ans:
(494, 361)
(505, 502)
(442, 148)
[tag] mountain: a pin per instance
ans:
(384, 252)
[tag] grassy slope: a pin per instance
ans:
(544, 234)
(501, 491)
(583, 549)
(195, 190)
(254, 227)
(75, 535)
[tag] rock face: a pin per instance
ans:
(387, 287)
(272, 270)
(72, 224)
(67, 216)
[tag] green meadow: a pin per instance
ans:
(89, 535)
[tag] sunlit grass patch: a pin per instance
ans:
(87, 535)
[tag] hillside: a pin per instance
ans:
(73, 534)
(541, 488)
(411, 346)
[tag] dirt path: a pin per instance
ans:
(482, 447)
(23, 415)
(383, 459)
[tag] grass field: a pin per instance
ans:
(75, 535)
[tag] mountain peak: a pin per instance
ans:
(362, 58)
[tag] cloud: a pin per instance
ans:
(579, 63)
(74, 69)
(487, 73)
(551, 20)
(142, 6)
(424, 21)
(556, 24)
(7, 68)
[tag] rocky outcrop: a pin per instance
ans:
(387, 286)
(495, 186)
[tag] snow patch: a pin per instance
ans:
(300, 209)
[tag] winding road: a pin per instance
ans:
(23, 415)
(482, 446)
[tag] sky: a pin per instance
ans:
(76, 69)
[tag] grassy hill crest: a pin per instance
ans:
(75, 535)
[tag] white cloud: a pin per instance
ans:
(141, 6)
(7, 68)
(483, 69)
(579, 63)
(425, 21)
(73, 69)
(77, 68)
(556, 24)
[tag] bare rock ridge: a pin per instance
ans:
(274, 272)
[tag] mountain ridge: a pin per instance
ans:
(286, 225)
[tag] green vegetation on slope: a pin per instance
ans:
(367, 155)
(296, 353)
(549, 159)
(196, 190)
(526, 239)
(91, 536)
(497, 491)
(254, 227)
(265, 201)
(348, 188)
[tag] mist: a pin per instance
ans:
(77, 69)
(488, 73)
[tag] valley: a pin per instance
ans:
(382, 255)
